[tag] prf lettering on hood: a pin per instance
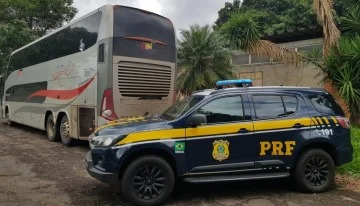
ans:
(277, 148)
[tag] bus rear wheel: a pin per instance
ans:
(51, 130)
(65, 131)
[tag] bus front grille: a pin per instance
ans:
(143, 80)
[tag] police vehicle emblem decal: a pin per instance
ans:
(179, 147)
(221, 150)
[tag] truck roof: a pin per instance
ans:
(300, 90)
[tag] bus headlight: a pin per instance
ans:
(103, 141)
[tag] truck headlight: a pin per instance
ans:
(103, 141)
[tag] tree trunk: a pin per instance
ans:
(329, 88)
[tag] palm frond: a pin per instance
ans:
(324, 11)
(351, 21)
(242, 34)
(280, 54)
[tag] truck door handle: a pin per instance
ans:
(243, 130)
(298, 125)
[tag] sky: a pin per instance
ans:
(182, 13)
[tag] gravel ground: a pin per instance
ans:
(34, 171)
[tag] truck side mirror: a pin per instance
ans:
(197, 120)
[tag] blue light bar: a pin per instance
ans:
(232, 82)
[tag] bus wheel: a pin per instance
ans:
(51, 130)
(7, 117)
(65, 131)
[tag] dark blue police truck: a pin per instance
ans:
(225, 135)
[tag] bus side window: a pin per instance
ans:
(101, 56)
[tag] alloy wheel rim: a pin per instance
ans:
(316, 171)
(149, 182)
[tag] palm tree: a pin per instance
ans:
(202, 59)
(342, 69)
(242, 33)
(324, 12)
(342, 63)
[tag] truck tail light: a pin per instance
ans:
(343, 122)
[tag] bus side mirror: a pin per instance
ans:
(197, 120)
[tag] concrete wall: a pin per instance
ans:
(280, 74)
(264, 72)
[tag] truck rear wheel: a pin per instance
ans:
(315, 171)
(148, 181)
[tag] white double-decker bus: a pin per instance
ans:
(115, 62)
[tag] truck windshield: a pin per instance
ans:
(181, 107)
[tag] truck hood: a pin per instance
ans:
(130, 125)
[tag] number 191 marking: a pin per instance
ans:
(324, 132)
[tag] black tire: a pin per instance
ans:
(315, 171)
(148, 181)
(51, 130)
(7, 118)
(65, 131)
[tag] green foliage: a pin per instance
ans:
(299, 15)
(22, 21)
(202, 59)
(342, 68)
(353, 168)
(13, 36)
(226, 12)
(241, 31)
(351, 21)
(39, 15)
(271, 15)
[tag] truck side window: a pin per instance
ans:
(290, 103)
(268, 106)
(226, 109)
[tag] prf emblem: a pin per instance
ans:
(221, 150)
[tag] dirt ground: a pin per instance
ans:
(34, 171)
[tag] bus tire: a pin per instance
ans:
(7, 117)
(51, 130)
(65, 131)
(148, 180)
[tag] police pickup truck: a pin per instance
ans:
(225, 135)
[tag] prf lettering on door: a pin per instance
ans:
(277, 148)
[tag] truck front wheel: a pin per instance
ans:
(148, 180)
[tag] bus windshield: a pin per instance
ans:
(181, 107)
(141, 34)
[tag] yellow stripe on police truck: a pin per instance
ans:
(153, 135)
(280, 124)
(326, 120)
(320, 121)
